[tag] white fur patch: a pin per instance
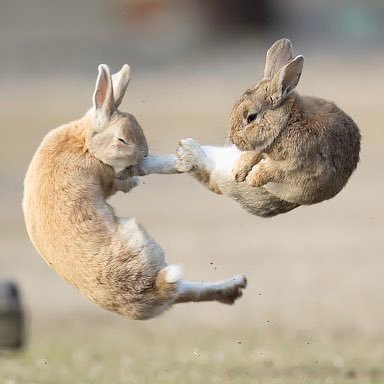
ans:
(222, 158)
(173, 273)
(134, 234)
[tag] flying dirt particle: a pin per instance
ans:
(239, 342)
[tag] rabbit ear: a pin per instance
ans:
(120, 81)
(278, 55)
(103, 94)
(285, 81)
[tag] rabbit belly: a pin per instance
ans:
(141, 243)
(222, 158)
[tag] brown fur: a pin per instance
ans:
(295, 150)
(306, 147)
(113, 261)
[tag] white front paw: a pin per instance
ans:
(190, 156)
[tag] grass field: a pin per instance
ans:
(119, 352)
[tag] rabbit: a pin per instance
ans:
(285, 151)
(111, 260)
(302, 149)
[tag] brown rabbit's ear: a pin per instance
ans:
(286, 80)
(103, 95)
(278, 55)
(120, 81)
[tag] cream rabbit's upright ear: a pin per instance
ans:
(285, 81)
(103, 101)
(120, 81)
(278, 55)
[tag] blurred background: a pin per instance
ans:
(314, 307)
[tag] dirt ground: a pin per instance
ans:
(314, 304)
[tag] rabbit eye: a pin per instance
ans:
(251, 117)
(123, 141)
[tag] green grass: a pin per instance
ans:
(128, 352)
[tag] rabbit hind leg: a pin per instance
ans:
(225, 292)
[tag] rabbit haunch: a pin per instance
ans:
(112, 260)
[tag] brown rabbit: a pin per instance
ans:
(302, 149)
(296, 150)
(112, 260)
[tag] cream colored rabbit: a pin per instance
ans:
(112, 260)
(291, 150)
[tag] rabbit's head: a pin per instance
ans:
(263, 110)
(114, 137)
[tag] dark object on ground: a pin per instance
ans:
(11, 317)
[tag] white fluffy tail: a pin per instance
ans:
(173, 273)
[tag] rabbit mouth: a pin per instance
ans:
(241, 144)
